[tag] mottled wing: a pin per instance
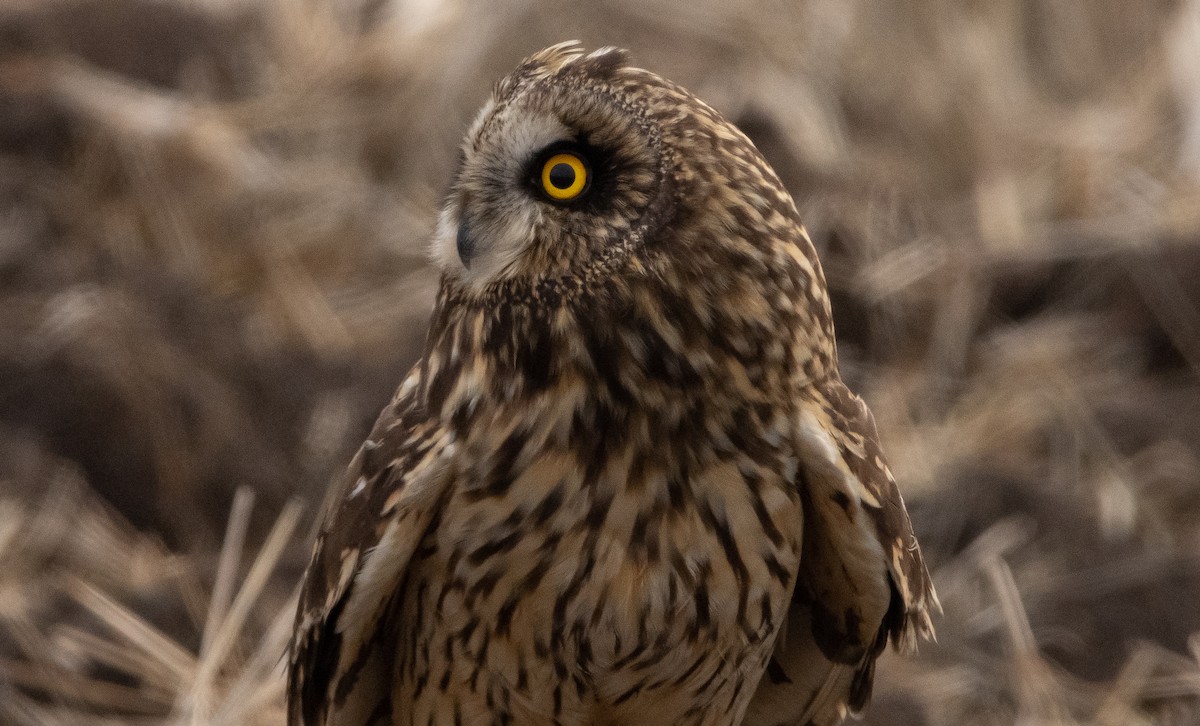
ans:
(862, 580)
(339, 668)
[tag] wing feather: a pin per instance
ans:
(379, 514)
(862, 579)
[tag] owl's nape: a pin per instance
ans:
(625, 461)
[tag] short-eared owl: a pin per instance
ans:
(625, 483)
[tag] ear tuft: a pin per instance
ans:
(555, 56)
(604, 62)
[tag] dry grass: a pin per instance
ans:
(212, 221)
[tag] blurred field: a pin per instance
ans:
(212, 225)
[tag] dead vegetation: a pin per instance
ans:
(212, 273)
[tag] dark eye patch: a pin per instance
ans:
(603, 181)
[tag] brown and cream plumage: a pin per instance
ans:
(625, 483)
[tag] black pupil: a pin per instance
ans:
(562, 176)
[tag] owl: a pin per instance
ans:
(625, 483)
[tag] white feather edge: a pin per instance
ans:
(377, 577)
(383, 565)
(820, 457)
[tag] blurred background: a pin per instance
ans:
(213, 219)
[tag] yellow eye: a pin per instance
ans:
(564, 176)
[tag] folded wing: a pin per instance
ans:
(340, 667)
(862, 580)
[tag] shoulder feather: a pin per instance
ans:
(862, 580)
(379, 514)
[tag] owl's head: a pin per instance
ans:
(581, 169)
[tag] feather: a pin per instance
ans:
(386, 502)
(862, 579)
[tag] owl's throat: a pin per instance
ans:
(604, 363)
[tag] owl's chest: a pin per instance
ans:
(605, 566)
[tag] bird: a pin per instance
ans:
(624, 483)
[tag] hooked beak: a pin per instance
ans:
(465, 243)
